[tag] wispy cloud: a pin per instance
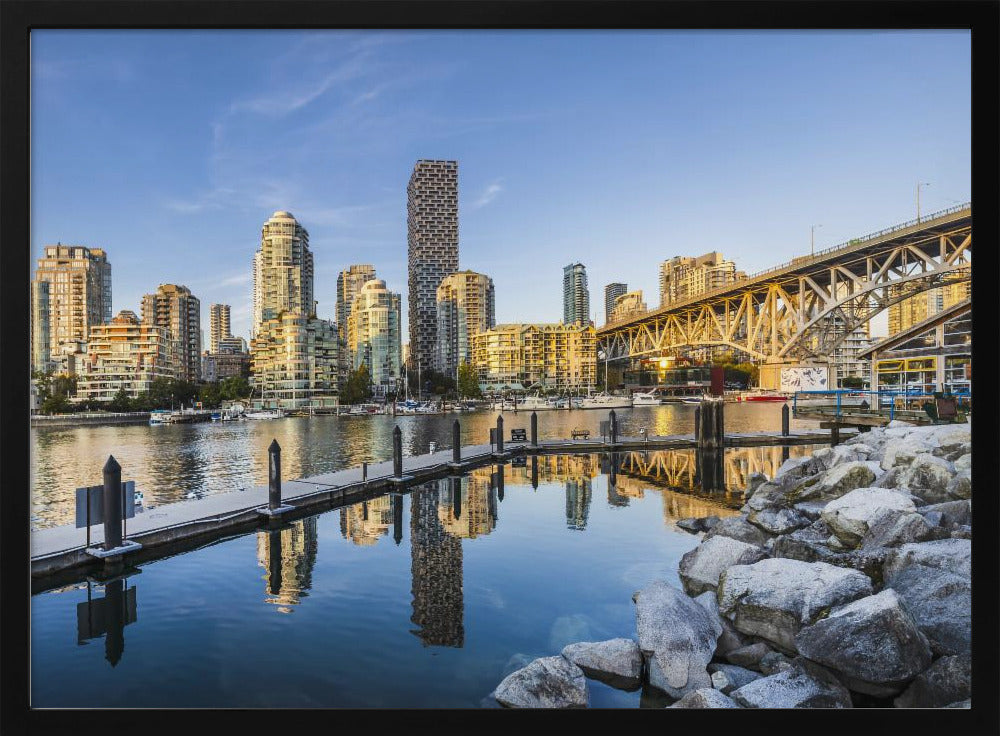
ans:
(237, 280)
(489, 194)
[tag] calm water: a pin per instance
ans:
(169, 462)
(422, 600)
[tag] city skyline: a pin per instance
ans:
(560, 162)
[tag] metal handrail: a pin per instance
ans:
(758, 274)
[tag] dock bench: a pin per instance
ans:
(581, 434)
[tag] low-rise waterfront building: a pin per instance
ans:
(933, 355)
(293, 363)
(547, 355)
(125, 354)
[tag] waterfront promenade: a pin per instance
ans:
(59, 553)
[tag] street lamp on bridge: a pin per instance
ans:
(920, 184)
(812, 239)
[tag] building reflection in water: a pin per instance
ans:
(289, 556)
(107, 617)
(436, 568)
(467, 506)
(366, 522)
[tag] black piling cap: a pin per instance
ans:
(112, 466)
(274, 447)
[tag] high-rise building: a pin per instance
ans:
(683, 277)
(576, 295)
(40, 340)
(373, 334)
(295, 356)
(627, 305)
(126, 354)
(282, 270)
(466, 306)
(79, 295)
(349, 284)
(917, 308)
(611, 292)
(552, 355)
(432, 245)
(218, 321)
(177, 310)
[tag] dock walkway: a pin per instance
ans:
(59, 552)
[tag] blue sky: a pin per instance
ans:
(617, 149)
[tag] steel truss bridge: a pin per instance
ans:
(802, 310)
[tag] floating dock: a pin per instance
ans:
(59, 555)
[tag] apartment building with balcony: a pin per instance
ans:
(126, 354)
(541, 355)
(466, 306)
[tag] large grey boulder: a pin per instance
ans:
(892, 528)
(946, 681)
(795, 468)
(927, 477)
(807, 544)
(873, 642)
(778, 520)
(749, 656)
(902, 450)
(729, 677)
(792, 688)
(730, 638)
(705, 697)
(767, 496)
(754, 481)
(774, 598)
(835, 482)
(960, 486)
(949, 435)
(678, 636)
(617, 662)
(737, 527)
(950, 555)
(963, 462)
(940, 603)
(951, 513)
(850, 516)
(549, 682)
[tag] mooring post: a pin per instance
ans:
(274, 475)
(613, 426)
(397, 452)
(112, 503)
(500, 433)
(364, 472)
(834, 435)
(274, 562)
(784, 420)
(534, 472)
(720, 424)
(456, 442)
(397, 518)
(534, 429)
(500, 482)
(456, 497)
(114, 604)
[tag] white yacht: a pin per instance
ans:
(604, 400)
(269, 414)
(535, 403)
(652, 398)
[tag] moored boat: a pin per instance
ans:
(651, 398)
(605, 400)
(265, 414)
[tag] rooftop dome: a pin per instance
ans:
(283, 213)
